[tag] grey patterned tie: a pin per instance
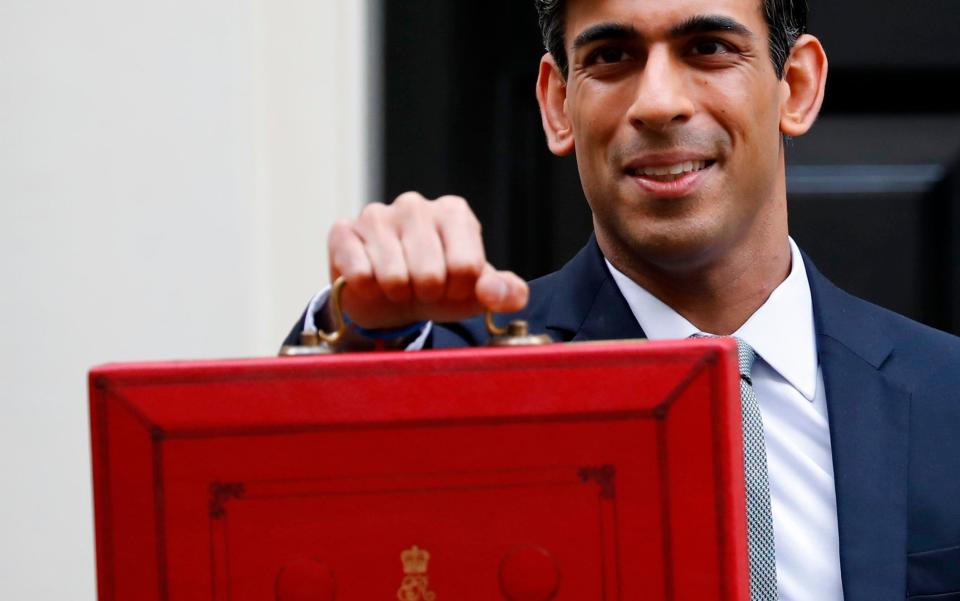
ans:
(763, 564)
(760, 541)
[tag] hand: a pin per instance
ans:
(417, 260)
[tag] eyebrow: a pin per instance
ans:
(690, 26)
(709, 23)
(605, 31)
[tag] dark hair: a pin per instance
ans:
(786, 20)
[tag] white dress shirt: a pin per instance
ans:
(789, 386)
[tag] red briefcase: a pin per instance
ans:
(585, 472)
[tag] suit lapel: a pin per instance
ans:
(869, 425)
(588, 304)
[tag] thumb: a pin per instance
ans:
(501, 291)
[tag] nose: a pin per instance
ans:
(661, 98)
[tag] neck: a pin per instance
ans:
(719, 294)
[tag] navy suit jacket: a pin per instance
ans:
(893, 397)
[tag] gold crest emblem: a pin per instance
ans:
(416, 582)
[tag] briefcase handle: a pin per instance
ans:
(515, 333)
(320, 342)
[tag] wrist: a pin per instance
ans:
(386, 334)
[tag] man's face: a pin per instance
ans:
(678, 86)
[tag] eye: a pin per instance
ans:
(710, 48)
(607, 55)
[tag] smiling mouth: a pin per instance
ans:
(669, 173)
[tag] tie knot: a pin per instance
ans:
(745, 353)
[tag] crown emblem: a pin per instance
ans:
(415, 560)
(416, 583)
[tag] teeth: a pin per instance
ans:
(673, 170)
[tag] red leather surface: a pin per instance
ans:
(571, 472)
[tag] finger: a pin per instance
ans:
(462, 246)
(382, 245)
(349, 259)
(423, 251)
(501, 291)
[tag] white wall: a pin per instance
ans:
(168, 171)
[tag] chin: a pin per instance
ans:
(673, 246)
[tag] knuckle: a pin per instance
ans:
(412, 210)
(410, 195)
(373, 212)
(453, 204)
(408, 200)
(341, 226)
(452, 201)
(338, 233)
(457, 210)
(375, 223)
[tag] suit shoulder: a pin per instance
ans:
(918, 348)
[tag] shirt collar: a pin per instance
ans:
(781, 331)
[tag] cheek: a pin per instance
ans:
(752, 124)
(598, 114)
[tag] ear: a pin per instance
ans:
(803, 85)
(552, 97)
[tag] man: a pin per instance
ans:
(677, 112)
